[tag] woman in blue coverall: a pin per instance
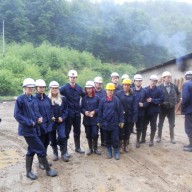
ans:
(25, 114)
(45, 112)
(60, 111)
(89, 108)
(110, 118)
(129, 104)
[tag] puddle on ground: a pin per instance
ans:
(9, 157)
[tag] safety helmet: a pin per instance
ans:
(53, 84)
(114, 74)
(154, 77)
(125, 76)
(98, 80)
(110, 86)
(72, 73)
(137, 77)
(165, 74)
(126, 81)
(89, 84)
(40, 83)
(28, 82)
(188, 75)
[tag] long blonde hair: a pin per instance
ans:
(55, 100)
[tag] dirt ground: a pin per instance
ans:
(164, 167)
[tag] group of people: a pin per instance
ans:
(113, 111)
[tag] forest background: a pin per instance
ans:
(46, 38)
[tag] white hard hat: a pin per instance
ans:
(98, 80)
(188, 73)
(53, 84)
(40, 83)
(89, 84)
(166, 73)
(125, 76)
(114, 74)
(153, 77)
(137, 77)
(72, 73)
(28, 82)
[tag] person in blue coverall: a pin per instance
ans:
(110, 118)
(89, 108)
(100, 92)
(141, 96)
(129, 104)
(73, 93)
(60, 112)
(155, 98)
(45, 112)
(25, 114)
(115, 81)
(186, 108)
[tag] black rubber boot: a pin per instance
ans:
(121, 147)
(50, 172)
(125, 146)
(29, 162)
(159, 134)
(66, 144)
(77, 145)
(55, 154)
(64, 156)
(116, 154)
(188, 147)
(138, 139)
(143, 136)
(90, 144)
(95, 145)
(172, 140)
(151, 143)
(109, 152)
(41, 166)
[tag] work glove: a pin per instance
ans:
(121, 125)
(99, 125)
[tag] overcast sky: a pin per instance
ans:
(121, 1)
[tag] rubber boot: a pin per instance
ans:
(41, 166)
(188, 147)
(143, 136)
(125, 146)
(77, 145)
(151, 143)
(109, 152)
(64, 156)
(116, 154)
(66, 143)
(172, 140)
(138, 139)
(55, 154)
(103, 144)
(90, 144)
(95, 145)
(159, 134)
(50, 172)
(121, 146)
(29, 162)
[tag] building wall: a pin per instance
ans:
(172, 68)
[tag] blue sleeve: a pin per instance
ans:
(83, 109)
(145, 96)
(64, 108)
(185, 95)
(19, 114)
(159, 98)
(120, 111)
(100, 111)
(97, 104)
(62, 90)
(135, 109)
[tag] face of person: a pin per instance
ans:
(72, 79)
(109, 93)
(29, 90)
(167, 79)
(153, 83)
(89, 90)
(138, 83)
(98, 86)
(54, 90)
(126, 87)
(41, 90)
(115, 79)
